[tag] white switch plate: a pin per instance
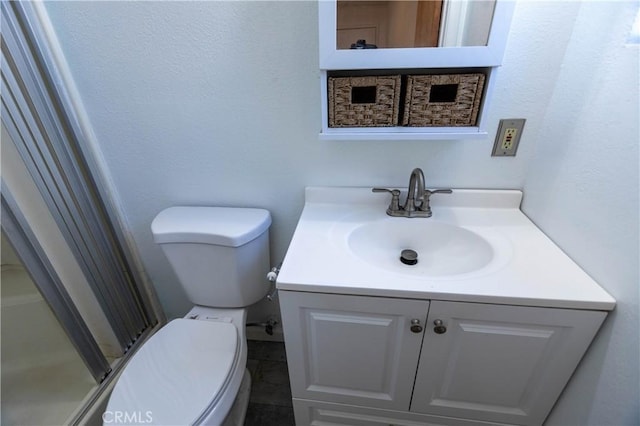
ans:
(508, 137)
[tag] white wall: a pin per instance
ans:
(582, 189)
(217, 103)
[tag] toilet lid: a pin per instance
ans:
(178, 373)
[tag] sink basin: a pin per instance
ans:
(443, 249)
(477, 247)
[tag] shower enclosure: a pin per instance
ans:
(44, 380)
(73, 302)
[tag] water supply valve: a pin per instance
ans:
(272, 276)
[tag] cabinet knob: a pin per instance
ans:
(439, 327)
(415, 326)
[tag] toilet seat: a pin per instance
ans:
(180, 374)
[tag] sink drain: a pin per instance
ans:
(409, 257)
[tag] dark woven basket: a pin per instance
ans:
(449, 100)
(364, 101)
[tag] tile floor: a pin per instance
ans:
(270, 399)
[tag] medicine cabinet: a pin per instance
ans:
(466, 38)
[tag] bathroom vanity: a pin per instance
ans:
(486, 328)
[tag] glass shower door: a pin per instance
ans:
(60, 220)
(44, 380)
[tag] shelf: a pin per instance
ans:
(334, 62)
(401, 133)
(406, 133)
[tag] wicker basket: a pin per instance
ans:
(364, 101)
(449, 100)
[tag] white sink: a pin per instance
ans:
(442, 249)
(477, 247)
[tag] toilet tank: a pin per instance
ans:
(220, 254)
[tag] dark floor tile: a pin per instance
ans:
(270, 398)
(272, 372)
(252, 366)
(269, 415)
(270, 384)
(267, 351)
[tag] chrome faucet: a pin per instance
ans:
(417, 201)
(415, 196)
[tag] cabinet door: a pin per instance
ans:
(499, 363)
(352, 349)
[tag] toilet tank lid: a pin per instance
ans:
(225, 226)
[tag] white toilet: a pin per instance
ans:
(193, 370)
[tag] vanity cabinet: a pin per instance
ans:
(353, 350)
(358, 360)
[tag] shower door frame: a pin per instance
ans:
(44, 118)
(31, 254)
(44, 124)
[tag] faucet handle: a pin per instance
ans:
(394, 206)
(426, 207)
(428, 192)
(391, 191)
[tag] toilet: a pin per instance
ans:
(193, 370)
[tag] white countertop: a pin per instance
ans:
(527, 268)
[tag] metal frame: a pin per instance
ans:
(41, 120)
(44, 276)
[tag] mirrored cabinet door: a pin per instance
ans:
(358, 34)
(381, 24)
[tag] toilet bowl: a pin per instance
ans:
(193, 370)
(189, 372)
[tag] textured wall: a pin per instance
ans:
(582, 189)
(217, 103)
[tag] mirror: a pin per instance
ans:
(376, 24)
(471, 33)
